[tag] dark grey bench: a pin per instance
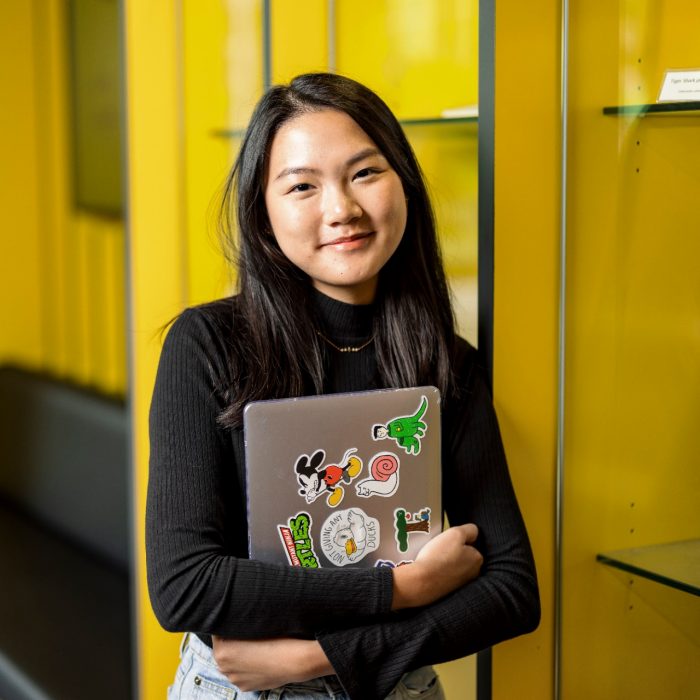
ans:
(65, 631)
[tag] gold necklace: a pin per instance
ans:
(347, 348)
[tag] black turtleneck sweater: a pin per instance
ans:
(200, 579)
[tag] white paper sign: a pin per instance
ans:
(680, 86)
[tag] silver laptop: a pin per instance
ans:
(344, 479)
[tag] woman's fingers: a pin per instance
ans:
(444, 564)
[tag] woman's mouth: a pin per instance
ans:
(351, 242)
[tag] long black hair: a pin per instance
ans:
(274, 350)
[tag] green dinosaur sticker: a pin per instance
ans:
(406, 430)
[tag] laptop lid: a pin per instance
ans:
(344, 479)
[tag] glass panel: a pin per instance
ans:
(422, 59)
(641, 110)
(632, 343)
(676, 564)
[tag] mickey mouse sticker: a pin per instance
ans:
(316, 480)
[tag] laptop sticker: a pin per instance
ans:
(406, 430)
(316, 480)
(388, 564)
(406, 524)
(296, 538)
(348, 536)
(384, 476)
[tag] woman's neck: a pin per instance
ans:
(342, 321)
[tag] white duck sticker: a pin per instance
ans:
(348, 536)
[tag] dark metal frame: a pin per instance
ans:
(487, 70)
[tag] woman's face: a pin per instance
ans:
(336, 206)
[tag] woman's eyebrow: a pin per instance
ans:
(304, 170)
(364, 153)
(301, 170)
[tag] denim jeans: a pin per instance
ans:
(198, 678)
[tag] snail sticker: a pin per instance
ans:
(316, 480)
(348, 536)
(406, 430)
(384, 476)
(405, 524)
(296, 538)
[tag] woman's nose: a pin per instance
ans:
(340, 207)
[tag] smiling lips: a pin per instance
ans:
(355, 240)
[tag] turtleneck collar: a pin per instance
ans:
(341, 321)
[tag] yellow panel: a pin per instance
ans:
(245, 59)
(208, 155)
(633, 340)
(458, 678)
(292, 57)
(20, 280)
(59, 267)
(447, 154)
(526, 281)
(101, 302)
(113, 374)
(156, 263)
(51, 78)
(421, 56)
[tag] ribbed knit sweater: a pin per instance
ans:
(201, 581)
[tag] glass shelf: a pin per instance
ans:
(676, 564)
(655, 108)
(227, 133)
(426, 121)
(423, 121)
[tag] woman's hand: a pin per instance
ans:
(447, 562)
(269, 663)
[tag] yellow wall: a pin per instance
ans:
(290, 58)
(21, 337)
(526, 305)
(207, 156)
(157, 269)
(63, 277)
(633, 343)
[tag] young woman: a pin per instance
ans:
(341, 288)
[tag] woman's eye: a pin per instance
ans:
(301, 187)
(365, 172)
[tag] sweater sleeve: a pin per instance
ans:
(501, 603)
(199, 578)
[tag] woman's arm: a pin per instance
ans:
(444, 564)
(261, 664)
(502, 602)
(447, 561)
(196, 536)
